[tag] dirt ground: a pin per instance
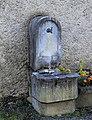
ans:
(18, 108)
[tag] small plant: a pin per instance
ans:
(62, 69)
(85, 75)
(81, 71)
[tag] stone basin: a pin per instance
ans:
(48, 75)
(54, 86)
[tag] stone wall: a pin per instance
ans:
(75, 17)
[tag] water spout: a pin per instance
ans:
(49, 62)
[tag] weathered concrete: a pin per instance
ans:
(44, 43)
(75, 17)
(52, 109)
(85, 97)
(84, 100)
(50, 89)
(53, 95)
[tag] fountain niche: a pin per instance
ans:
(51, 91)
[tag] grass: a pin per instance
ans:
(12, 108)
(7, 116)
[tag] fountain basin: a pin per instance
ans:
(52, 92)
(54, 87)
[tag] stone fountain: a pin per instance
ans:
(51, 91)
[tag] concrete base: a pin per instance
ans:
(52, 109)
(84, 100)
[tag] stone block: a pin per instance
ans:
(54, 89)
(52, 109)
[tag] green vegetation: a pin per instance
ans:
(81, 71)
(8, 116)
(62, 69)
(85, 75)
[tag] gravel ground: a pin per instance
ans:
(18, 108)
